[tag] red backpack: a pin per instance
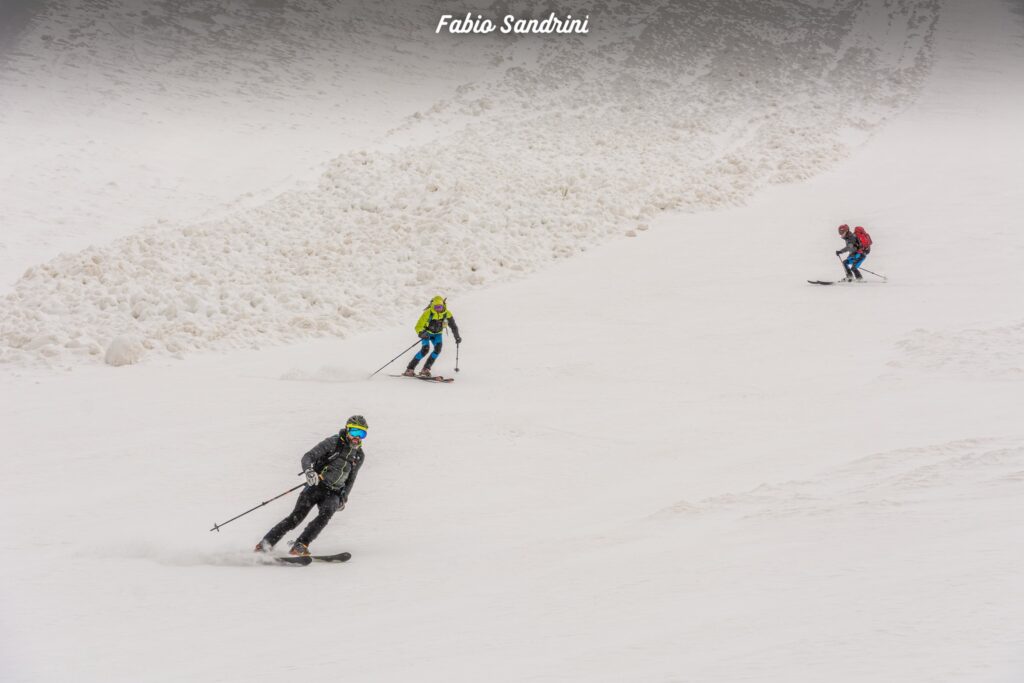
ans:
(864, 238)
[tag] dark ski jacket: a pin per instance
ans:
(337, 463)
(853, 244)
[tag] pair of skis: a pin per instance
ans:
(829, 282)
(881, 277)
(432, 378)
(843, 282)
(304, 560)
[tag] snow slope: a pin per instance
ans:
(118, 114)
(666, 459)
(684, 106)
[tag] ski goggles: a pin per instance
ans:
(355, 431)
(439, 308)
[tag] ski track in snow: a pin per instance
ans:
(326, 373)
(579, 142)
(909, 479)
(181, 557)
(990, 353)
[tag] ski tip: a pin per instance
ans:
(339, 557)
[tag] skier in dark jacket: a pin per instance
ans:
(330, 469)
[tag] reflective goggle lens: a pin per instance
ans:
(357, 432)
(439, 308)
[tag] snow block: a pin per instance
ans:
(124, 350)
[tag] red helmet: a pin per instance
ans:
(844, 230)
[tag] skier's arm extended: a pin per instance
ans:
(317, 453)
(455, 329)
(852, 246)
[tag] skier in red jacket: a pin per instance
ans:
(858, 245)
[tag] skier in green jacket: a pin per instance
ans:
(430, 328)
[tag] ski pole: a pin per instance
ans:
(884, 278)
(216, 527)
(396, 357)
(457, 345)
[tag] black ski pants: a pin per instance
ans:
(326, 500)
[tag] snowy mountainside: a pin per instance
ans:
(164, 113)
(665, 459)
(579, 141)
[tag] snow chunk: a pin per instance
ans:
(124, 350)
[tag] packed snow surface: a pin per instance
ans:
(568, 143)
(665, 459)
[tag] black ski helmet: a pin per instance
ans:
(355, 421)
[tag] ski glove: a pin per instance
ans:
(424, 335)
(839, 253)
(458, 340)
(312, 478)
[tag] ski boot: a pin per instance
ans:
(262, 547)
(856, 274)
(425, 372)
(409, 372)
(299, 549)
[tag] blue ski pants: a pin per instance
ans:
(437, 340)
(854, 260)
